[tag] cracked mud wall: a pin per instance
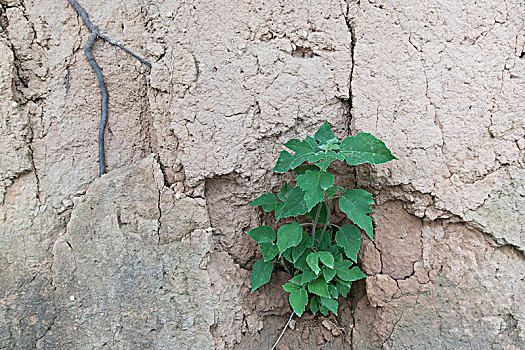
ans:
(152, 255)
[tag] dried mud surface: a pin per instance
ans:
(153, 255)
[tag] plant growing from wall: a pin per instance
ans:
(320, 256)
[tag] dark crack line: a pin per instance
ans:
(350, 103)
(95, 33)
(29, 142)
(159, 219)
(393, 330)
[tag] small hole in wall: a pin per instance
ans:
(522, 54)
(303, 52)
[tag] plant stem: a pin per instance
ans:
(286, 326)
(285, 267)
(326, 224)
(316, 219)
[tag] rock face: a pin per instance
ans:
(380, 289)
(136, 270)
(153, 255)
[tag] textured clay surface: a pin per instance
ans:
(153, 255)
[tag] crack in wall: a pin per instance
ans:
(4, 23)
(348, 104)
(19, 101)
(392, 331)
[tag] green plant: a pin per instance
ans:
(320, 256)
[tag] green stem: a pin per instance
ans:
(326, 224)
(285, 267)
(316, 219)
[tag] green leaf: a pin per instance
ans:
(342, 269)
(333, 291)
(332, 147)
(326, 258)
(325, 135)
(267, 201)
(313, 262)
(343, 287)
(289, 287)
(287, 254)
(322, 156)
(300, 263)
(268, 250)
(326, 158)
(312, 143)
(323, 309)
(331, 191)
(284, 162)
(301, 169)
(278, 208)
(364, 148)
(349, 275)
(298, 300)
(319, 287)
(302, 150)
(299, 249)
(324, 164)
(262, 234)
(355, 203)
(283, 193)
(334, 250)
(262, 271)
(293, 206)
(297, 279)
(314, 304)
(308, 275)
(355, 274)
(313, 183)
(330, 304)
(328, 273)
(349, 238)
(289, 236)
(326, 240)
(323, 215)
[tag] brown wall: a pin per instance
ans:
(153, 255)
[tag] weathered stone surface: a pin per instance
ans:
(380, 289)
(468, 303)
(230, 107)
(131, 273)
(452, 72)
(15, 158)
(370, 258)
(158, 245)
(398, 239)
(10, 2)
